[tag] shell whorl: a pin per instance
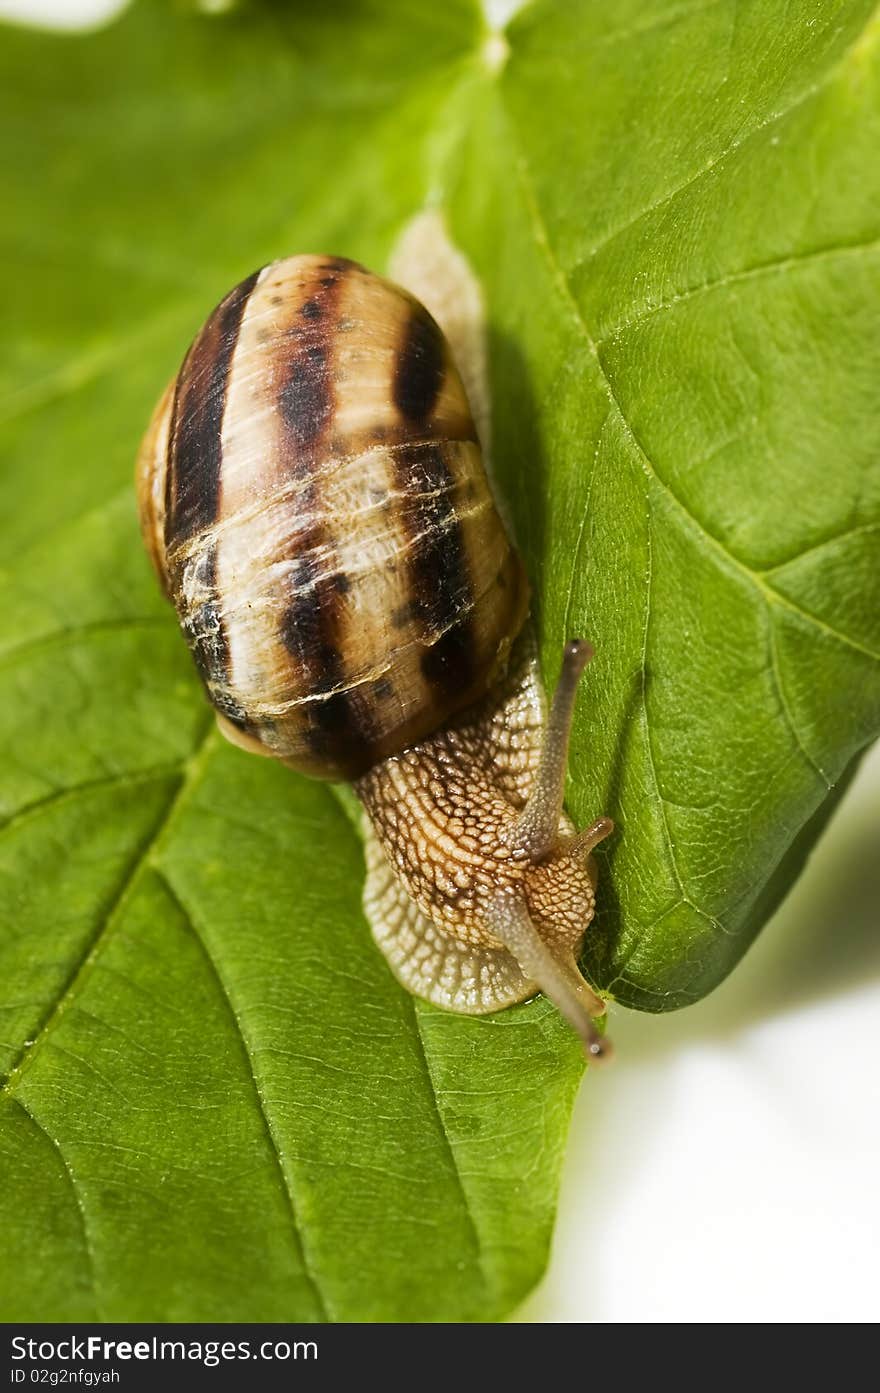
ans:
(313, 496)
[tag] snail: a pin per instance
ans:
(312, 494)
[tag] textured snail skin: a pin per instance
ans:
(443, 851)
(312, 496)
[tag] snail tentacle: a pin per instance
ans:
(585, 841)
(537, 828)
(558, 978)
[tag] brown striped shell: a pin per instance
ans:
(313, 497)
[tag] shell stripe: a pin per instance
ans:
(311, 625)
(192, 498)
(441, 592)
(208, 640)
(193, 485)
(420, 368)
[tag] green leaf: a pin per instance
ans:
(218, 1103)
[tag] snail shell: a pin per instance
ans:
(313, 498)
(314, 501)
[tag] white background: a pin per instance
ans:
(726, 1167)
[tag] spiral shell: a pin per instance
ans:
(313, 497)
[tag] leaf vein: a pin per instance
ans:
(843, 536)
(77, 1200)
(70, 635)
(287, 1184)
(579, 543)
(128, 779)
(784, 706)
(649, 744)
(770, 595)
(450, 1144)
(811, 90)
(84, 966)
(777, 267)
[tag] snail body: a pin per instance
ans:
(312, 495)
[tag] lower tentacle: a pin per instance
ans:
(558, 977)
